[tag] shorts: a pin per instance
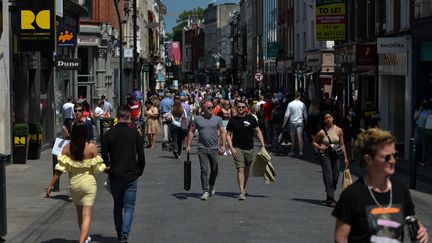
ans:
(244, 158)
(296, 128)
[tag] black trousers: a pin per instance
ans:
(177, 136)
(330, 169)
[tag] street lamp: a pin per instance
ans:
(121, 50)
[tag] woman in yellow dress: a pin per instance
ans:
(82, 161)
(152, 126)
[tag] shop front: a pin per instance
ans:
(395, 88)
(319, 75)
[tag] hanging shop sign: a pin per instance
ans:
(88, 40)
(66, 37)
(36, 21)
(330, 20)
(68, 63)
(366, 54)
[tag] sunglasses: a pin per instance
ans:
(210, 108)
(388, 156)
(78, 110)
(241, 107)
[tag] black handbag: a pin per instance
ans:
(187, 173)
(333, 150)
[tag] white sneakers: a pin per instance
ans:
(205, 196)
(212, 190)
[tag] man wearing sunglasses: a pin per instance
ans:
(208, 126)
(78, 115)
(240, 139)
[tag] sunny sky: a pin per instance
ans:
(174, 7)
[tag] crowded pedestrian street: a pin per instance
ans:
(292, 209)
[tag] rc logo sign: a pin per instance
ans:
(42, 19)
(37, 25)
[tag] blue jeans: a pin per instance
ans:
(124, 195)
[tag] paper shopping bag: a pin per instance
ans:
(347, 180)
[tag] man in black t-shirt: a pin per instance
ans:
(240, 139)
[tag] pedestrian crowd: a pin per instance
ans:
(226, 121)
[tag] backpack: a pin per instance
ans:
(278, 115)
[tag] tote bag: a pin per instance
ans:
(347, 180)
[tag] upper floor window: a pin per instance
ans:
(422, 8)
(89, 6)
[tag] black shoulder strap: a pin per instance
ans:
(325, 130)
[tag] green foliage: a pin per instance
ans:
(20, 129)
(182, 20)
(35, 127)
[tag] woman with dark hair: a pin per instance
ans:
(374, 208)
(329, 143)
(177, 133)
(81, 160)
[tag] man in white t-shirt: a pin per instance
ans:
(68, 113)
(296, 113)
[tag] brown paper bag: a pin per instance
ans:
(347, 180)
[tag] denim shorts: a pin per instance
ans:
(296, 128)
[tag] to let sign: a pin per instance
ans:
(330, 20)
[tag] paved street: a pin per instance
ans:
(289, 210)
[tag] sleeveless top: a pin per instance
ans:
(333, 136)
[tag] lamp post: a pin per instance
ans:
(121, 51)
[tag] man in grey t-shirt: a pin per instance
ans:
(208, 126)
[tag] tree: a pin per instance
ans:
(194, 15)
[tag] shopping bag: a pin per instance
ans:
(187, 173)
(107, 184)
(347, 180)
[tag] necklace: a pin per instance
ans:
(376, 201)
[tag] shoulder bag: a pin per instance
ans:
(333, 150)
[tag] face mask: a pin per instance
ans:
(351, 113)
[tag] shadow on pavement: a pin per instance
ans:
(311, 201)
(186, 195)
(95, 238)
(61, 197)
(101, 238)
(59, 241)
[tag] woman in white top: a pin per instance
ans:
(322, 142)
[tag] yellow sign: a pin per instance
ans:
(330, 21)
(20, 140)
(28, 18)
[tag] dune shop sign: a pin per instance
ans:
(68, 63)
(36, 21)
(330, 20)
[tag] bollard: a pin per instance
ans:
(3, 219)
(413, 164)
